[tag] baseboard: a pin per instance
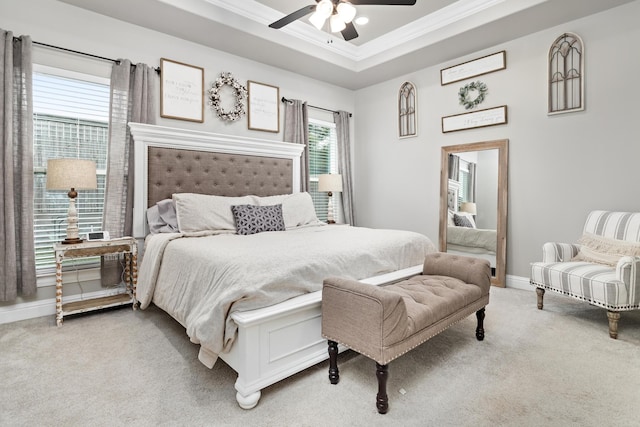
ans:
(518, 282)
(45, 307)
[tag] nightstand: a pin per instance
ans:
(126, 246)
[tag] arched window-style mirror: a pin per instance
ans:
(407, 100)
(473, 203)
(566, 74)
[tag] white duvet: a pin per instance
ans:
(201, 280)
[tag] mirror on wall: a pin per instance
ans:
(473, 203)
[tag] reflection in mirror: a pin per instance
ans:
(473, 203)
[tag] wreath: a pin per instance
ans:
(226, 79)
(463, 94)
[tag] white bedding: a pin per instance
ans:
(200, 280)
(476, 240)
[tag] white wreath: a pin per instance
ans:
(463, 94)
(214, 97)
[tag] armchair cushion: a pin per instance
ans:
(603, 250)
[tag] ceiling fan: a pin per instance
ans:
(340, 14)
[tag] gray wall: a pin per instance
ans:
(560, 167)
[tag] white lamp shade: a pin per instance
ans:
(324, 8)
(337, 24)
(468, 207)
(330, 182)
(346, 11)
(317, 20)
(65, 174)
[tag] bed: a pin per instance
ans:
(260, 318)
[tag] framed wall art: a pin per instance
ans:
(476, 67)
(476, 119)
(181, 91)
(264, 107)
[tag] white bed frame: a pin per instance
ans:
(274, 342)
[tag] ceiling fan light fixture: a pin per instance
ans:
(337, 24)
(362, 20)
(346, 11)
(317, 20)
(324, 8)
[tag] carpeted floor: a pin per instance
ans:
(555, 367)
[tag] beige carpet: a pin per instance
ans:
(555, 367)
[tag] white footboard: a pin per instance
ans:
(276, 342)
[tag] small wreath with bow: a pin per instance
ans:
(463, 94)
(226, 79)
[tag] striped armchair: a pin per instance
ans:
(602, 268)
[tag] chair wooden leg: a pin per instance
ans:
(334, 374)
(613, 317)
(382, 400)
(480, 328)
(540, 293)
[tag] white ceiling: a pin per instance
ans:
(397, 40)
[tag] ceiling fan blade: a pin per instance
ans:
(293, 16)
(349, 33)
(384, 2)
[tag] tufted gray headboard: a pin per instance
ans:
(171, 160)
(173, 170)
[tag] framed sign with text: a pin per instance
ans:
(476, 119)
(473, 68)
(181, 91)
(264, 107)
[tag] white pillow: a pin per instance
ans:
(297, 209)
(201, 212)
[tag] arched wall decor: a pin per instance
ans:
(407, 105)
(566, 74)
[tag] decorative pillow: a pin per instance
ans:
(463, 221)
(252, 219)
(450, 218)
(161, 217)
(297, 209)
(201, 212)
(604, 250)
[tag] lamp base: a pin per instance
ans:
(69, 241)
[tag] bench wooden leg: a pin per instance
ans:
(480, 328)
(382, 400)
(540, 293)
(334, 375)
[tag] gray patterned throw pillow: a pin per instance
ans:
(252, 219)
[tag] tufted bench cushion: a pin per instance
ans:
(384, 322)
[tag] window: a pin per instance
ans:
(323, 158)
(70, 120)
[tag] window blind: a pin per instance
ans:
(70, 120)
(323, 158)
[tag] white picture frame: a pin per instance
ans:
(475, 67)
(181, 91)
(476, 119)
(264, 107)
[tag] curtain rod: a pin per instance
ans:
(313, 106)
(77, 52)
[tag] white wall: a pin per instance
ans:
(59, 24)
(560, 167)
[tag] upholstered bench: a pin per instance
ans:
(384, 322)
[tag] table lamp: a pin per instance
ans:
(330, 183)
(468, 207)
(71, 175)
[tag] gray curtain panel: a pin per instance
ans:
(133, 99)
(296, 130)
(454, 167)
(472, 182)
(341, 119)
(17, 253)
